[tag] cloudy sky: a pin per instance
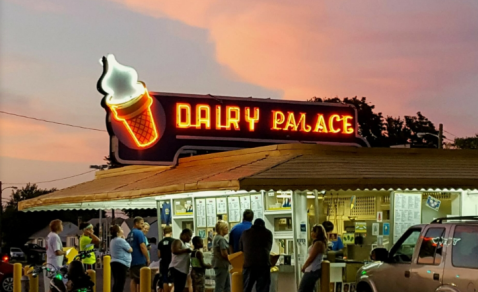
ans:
(404, 56)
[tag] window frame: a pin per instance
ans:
(452, 252)
(400, 242)
(443, 243)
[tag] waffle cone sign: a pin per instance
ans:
(156, 128)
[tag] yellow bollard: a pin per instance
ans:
(237, 282)
(17, 277)
(106, 273)
(145, 280)
(92, 275)
(325, 278)
(33, 282)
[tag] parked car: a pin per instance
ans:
(16, 253)
(35, 254)
(441, 256)
(6, 277)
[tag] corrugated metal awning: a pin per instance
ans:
(278, 167)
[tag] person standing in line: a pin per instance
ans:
(220, 260)
(54, 249)
(256, 243)
(120, 257)
(236, 231)
(313, 265)
(180, 260)
(139, 256)
(165, 254)
(88, 237)
(145, 230)
(153, 250)
(198, 272)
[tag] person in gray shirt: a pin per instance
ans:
(256, 243)
(220, 261)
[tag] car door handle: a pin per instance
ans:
(407, 274)
(436, 277)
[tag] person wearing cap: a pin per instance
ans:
(88, 237)
(256, 243)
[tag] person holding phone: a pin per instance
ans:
(88, 240)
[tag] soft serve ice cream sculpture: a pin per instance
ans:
(129, 101)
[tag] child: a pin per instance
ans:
(78, 279)
(199, 267)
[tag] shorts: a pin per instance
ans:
(166, 277)
(134, 272)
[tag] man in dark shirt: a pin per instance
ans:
(164, 254)
(256, 243)
(236, 232)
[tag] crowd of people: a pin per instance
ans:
(182, 266)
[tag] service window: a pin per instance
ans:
(431, 249)
(402, 252)
(465, 247)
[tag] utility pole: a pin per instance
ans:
(1, 212)
(440, 136)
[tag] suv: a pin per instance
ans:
(441, 257)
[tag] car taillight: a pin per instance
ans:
(5, 259)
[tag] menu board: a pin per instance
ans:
(245, 203)
(221, 206)
(201, 213)
(407, 212)
(234, 209)
(256, 206)
(211, 212)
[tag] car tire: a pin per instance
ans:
(7, 284)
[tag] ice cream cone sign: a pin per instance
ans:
(129, 101)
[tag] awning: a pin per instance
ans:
(278, 167)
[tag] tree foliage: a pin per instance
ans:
(18, 226)
(467, 143)
(389, 131)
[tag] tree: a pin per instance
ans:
(467, 143)
(19, 226)
(380, 132)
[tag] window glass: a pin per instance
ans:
(403, 251)
(432, 247)
(465, 247)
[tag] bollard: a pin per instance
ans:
(325, 278)
(145, 280)
(92, 275)
(237, 282)
(34, 283)
(106, 273)
(17, 277)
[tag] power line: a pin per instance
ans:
(52, 122)
(53, 180)
(450, 133)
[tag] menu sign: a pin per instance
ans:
(201, 213)
(256, 205)
(234, 209)
(211, 212)
(407, 212)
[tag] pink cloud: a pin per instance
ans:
(392, 52)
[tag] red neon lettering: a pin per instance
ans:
(180, 123)
(303, 126)
(233, 120)
(203, 116)
(254, 120)
(278, 119)
(291, 122)
(331, 123)
(218, 119)
(320, 125)
(348, 129)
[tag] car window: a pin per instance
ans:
(465, 247)
(403, 251)
(431, 249)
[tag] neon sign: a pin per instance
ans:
(155, 128)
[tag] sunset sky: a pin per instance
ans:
(404, 56)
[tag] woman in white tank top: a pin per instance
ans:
(313, 264)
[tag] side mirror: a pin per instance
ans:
(379, 254)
